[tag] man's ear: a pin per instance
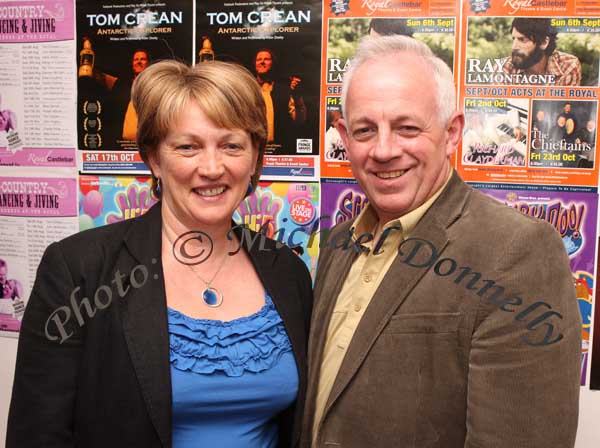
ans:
(454, 131)
(544, 43)
(343, 131)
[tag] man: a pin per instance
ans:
(540, 122)
(125, 122)
(442, 318)
(559, 130)
(285, 106)
(588, 133)
(534, 52)
(139, 62)
(566, 113)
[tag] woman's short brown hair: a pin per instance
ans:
(227, 93)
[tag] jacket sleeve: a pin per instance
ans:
(50, 342)
(525, 359)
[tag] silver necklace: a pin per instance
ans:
(212, 296)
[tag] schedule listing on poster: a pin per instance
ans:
(34, 212)
(37, 85)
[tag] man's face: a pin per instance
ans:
(525, 52)
(139, 62)
(398, 149)
(561, 121)
(590, 125)
(263, 62)
(335, 118)
(567, 108)
(540, 115)
(3, 274)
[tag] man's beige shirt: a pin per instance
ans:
(365, 275)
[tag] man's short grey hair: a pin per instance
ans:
(380, 47)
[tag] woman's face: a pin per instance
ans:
(204, 170)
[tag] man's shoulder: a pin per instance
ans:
(499, 222)
(564, 58)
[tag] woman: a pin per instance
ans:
(158, 331)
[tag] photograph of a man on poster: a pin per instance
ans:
(540, 51)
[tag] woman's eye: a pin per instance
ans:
(184, 147)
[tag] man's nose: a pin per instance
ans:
(384, 148)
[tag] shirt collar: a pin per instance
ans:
(367, 219)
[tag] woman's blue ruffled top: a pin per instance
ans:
(253, 343)
(229, 379)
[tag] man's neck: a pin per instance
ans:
(263, 79)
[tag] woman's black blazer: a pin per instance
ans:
(95, 373)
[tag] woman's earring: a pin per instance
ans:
(250, 188)
(158, 187)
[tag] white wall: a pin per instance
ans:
(588, 435)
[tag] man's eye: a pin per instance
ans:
(185, 147)
(363, 132)
(409, 130)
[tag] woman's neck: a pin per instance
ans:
(189, 241)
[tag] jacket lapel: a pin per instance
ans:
(399, 281)
(326, 292)
(144, 319)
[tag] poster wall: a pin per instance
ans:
(344, 24)
(341, 200)
(116, 41)
(279, 43)
(37, 85)
(574, 216)
(109, 199)
(288, 213)
(34, 212)
(529, 89)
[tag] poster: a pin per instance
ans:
(595, 349)
(34, 212)
(109, 199)
(37, 84)
(529, 88)
(341, 200)
(116, 41)
(279, 43)
(287, 212)
(573, 214)
(345, 23)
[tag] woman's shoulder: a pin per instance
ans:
(109, 240)
(107, 235)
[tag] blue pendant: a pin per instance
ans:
(212, 297)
